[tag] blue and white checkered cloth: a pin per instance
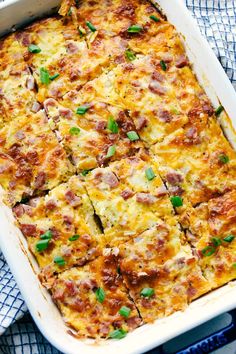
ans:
(217, 20)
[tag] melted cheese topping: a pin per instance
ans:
(33, 160)
(66, 211)
(111, 236)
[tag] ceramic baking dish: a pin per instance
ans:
(15, 13)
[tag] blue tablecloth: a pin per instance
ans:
(217, 20)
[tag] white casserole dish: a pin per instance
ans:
(14, 246)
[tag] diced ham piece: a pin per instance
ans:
(156, 76)
(58, 294)
(66, 251)
(133, 322)
(72, 199)
(161, 191)
(176, 190)
(141, 123)
(181, 61)
(19, 210)
(72, 48)
(127, 193)
(32, 157)
(40, 180)
(34, 201)
(51, 204)
(65, 112)
(30, 83)
(100, 125)
(192, 135)
(174, 178)
(28, 230)
(156, 88)
(145, 198)
(165, 116)
(49, 102)
(207, 108)
(36, 107)
(110, 179)
(167, 57)
(20, 135)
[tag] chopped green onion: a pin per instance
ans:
(132, 135)
(208, 251)
(24, 200)
(82, 109)
(135, 29)
(176, 201)
(111, 151)
(42, 245)
(174, 110)
(118, 334)
(33, 48)
(234, 265)
(154, 18)
(47, 235)
(130, 55)
(69, 13)
(229, 238)
(53, 77)
(163, 65)
(216, 241)
(147, 292)
(59, 261)
(91, 26)
(100, 295)
(112, 125)
(124, 311)
(85, 172)
(223, 158)
(74, 238)
(219, 110)
(150, 174)
(44, 76)
(74, 131)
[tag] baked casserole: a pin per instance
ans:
(115, 166)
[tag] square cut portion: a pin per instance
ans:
(60, 228)
(197, 164)
(161, 274)
(211, 229)
(129, 197)
(17, 94)
(64, 51)
(88, 135)
(91, 298)
(32, 160)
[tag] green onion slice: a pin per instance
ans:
(223, 158)
(208, 251)
(234, 265)
(154, 18)
(130, 55)
(163, 65)
(112, 125)
(219, 110)
(135, 29)
(229, 238)
(59, 261)
(47, 235)
(132, 135)
(42, 245)
(74, 131)
(216, 241)
(44, 76)
(147, 292)
(91, 26)
(176, 201)
(85, 172)
(74, 238)
(124, 311)
(118, 334)
(33, 48)
(150, 174)
(82, 110)
(111, 151)
(53, 77)
(100, 295)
